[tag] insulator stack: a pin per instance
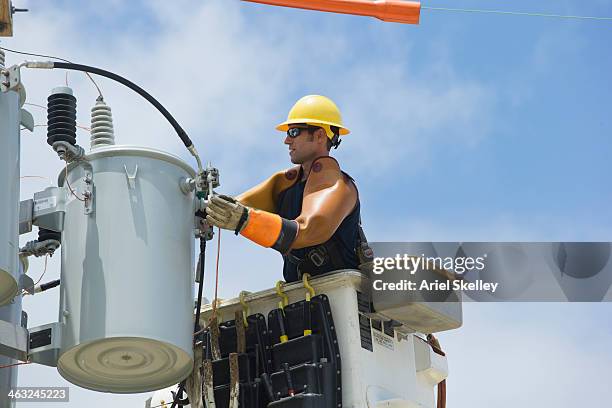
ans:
(1, 59)
(45, 234)
(102, 131)
(61, 116)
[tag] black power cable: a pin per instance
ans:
(49, 285)
(196, 327)
(86, 68)
(201, 284)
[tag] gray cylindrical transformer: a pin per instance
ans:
(126, 299)
(9, 195)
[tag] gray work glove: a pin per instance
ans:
(227, 213)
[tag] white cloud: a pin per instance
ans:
(502, 227)
(528, 355)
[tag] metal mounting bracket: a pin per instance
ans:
(11, 79)
(88, 193)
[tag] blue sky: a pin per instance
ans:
(465, 127)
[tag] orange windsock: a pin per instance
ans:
(397, 11)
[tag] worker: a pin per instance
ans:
(308, 213)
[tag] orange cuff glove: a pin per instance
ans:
(270, 230)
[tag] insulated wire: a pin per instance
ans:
(45, 108)
(517, 13)
(44, 271)
(38, 177)
(23, 293)
(70, 187)
(201, 263)
(215, 300)
(163, 404)
(57, 58)
(181, 387)
(214, 306)
(78, 126)
(16, 364)
(37, 105)
(118, 78)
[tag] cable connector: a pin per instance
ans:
(38, 64)
(68, 152)
(45, 286)
(195, 154)
(39, 248)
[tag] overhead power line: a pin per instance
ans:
(53, 57)
(516, 13)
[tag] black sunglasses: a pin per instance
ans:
(296, 131)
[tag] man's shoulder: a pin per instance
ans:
(325, 172)
(290, 175)
(284, 179)
(330, 168)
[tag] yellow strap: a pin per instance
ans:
(284, 298)
(245, 308)
(310, 290)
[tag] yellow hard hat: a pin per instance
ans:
(315, 110)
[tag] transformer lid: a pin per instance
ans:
(8, 287)
(125, 365)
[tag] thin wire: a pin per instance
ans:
(57, 58)
(38, 177)
(517, 13)
(16, 364)
(41, 276)
(202, 330)
(45, 108)
(214, 306)
(78, 126)
(69, 187)
(44, 271)
(163, 404)
(37, 105)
